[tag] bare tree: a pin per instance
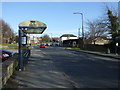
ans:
(96, 28)
(7, 32)
(101, 26)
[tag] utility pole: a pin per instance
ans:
(78, 32)
(51, 37)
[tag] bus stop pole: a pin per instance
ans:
(19, 51)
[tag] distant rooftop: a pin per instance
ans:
(68, 35)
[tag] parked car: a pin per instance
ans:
(46, 45)
(55, 44)
(42, 46)
(5, 54)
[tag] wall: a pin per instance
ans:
(8, 68)
(99, 48)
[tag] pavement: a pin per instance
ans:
(40, 72)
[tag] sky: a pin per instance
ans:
(58, 16)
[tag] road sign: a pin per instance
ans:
(32, 27)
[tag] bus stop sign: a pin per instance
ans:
(32, 27)
(27, 27)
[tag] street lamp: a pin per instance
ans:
(82, 23)
(82, 26)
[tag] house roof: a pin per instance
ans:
(68, 35)
(100, 37)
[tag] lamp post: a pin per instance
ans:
(82, 26)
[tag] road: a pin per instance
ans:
(83, 69)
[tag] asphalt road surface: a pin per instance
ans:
(85, 70)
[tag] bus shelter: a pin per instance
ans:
(27, 27)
